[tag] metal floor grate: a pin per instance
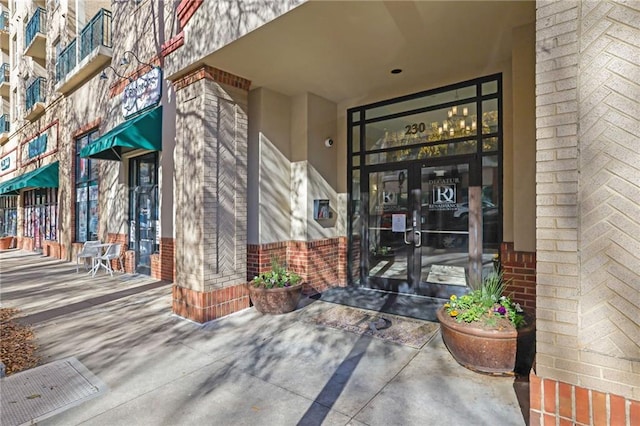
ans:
(41, 392)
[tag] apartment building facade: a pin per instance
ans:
(394, 147)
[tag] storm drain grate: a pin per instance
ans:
(41, 392)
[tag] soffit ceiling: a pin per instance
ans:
(346, 49)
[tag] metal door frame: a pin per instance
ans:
(414, 189)
(134, 195)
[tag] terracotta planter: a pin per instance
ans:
(275, 300)
(500, 352)
(6, 243)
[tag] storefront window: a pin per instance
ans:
(41, 214)
(424, 175)
(8, 215)
(86, 192)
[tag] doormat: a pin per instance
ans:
(400, 330)
(39, 393)
(446, 274)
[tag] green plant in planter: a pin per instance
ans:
(486, 305)
(277, 277)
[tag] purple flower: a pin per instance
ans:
(501, 310)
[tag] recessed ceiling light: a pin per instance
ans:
(396, 71)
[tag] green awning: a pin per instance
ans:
(44, 177)
(141, 132)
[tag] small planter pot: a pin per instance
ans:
(497, 352)
(275, 300)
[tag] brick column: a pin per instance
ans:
(587, 207)
(211, 186)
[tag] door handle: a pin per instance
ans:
(418, 238)
(405, 236)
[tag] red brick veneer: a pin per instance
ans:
(121, 239)
(26, 243)
(213, 74)
(206, 306)
(520, 268)
(321, 263)
(53, 249)
(163, 265)
(186, 9)
(574, 405)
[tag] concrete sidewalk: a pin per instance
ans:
(243, 369)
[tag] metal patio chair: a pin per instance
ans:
(111, 253)
(90, 250)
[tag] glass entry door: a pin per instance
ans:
(418, 228)
(143, 214)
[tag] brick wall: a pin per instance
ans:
(53, 249)
(210, 249)
(520, 271)
(321, 263)
(120, 239)
(163, 263)
(575, 405)
(587, 233)
(202, 306)
(26, 243)
(259, 257)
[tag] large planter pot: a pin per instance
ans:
(499, 352)
(275, 300)
(6, 243)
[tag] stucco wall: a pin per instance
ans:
(290, 166)
(205, 35)
(524, 139)
(269, 173)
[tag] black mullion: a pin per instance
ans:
(420, 110)
(479, 125)
(425, 93)
(422, 145)
(349, 194)
(500, 160)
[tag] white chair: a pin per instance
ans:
(111, 253)
(90, 250)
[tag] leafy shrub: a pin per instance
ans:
(487, 304)
(277, 277)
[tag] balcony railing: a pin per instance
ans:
(4, 73)
(36, 92)
(36, 24)
(4, 21)
(66, 60)
(96, 33)
(4, 123)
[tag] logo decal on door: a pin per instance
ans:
(443, 194)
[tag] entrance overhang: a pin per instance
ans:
(43, 177)
(346, 50)
(142, 132)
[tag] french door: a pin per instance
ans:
(423, 227)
